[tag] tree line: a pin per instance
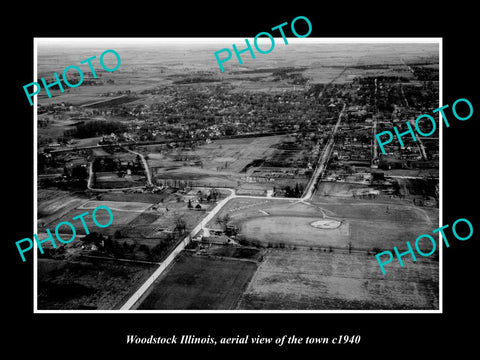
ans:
(96, 128)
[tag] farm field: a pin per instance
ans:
(133, 218)
(53, 204)
(317, 280)
(195, 282)
(123, 213)
(87, 284)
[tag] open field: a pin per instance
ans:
(195, 282)
(53, 203)
(317, 280)
(339, 189)
(294, 231)
(135, 207)
(243, 208)
(236, 153)
(123, 213)
(364, 225)
(220, 156)
(56, 205)
(369, 235)
(87, 284)
(373, 210)
(134, 197)
(110, 180)
(227, 163)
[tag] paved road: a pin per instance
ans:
(323, 160)
(374, 128)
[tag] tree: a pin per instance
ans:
(158, 250)
(138, 162)
(288, 191)
(180, 224)
(231, 231)
(219, 220)
(223, 221)
(93, 237)
(227, 218)
(144, 248)
(297, 190)
(214, 194)
(80, 172)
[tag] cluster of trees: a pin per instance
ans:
(194, 79)
(212, 196)
(157, 252)
(292, 74)
(425, 73)
(114, 165)
(228, 228)
(223, 220)
(76, 172)
(111, 247)
(425, 97)
(96, 128)
(296, 191)
(64, 183)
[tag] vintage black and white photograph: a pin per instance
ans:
(262, 187)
